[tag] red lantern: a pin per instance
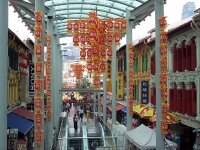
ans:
(96, 81)
(38, 120)
(38, 16)
(123, 25)
(89, 53)
(38, 137)
(76, 26)
(109, 52)
(109, 38)
(83, 53)
(95, 67)
(38, 67)
(38, 50)
(38, 103)
(89, 67)
(117, 37)
(48, 92)
(117, 25)
(48, 49)
(69, 27)
(164, 127)
(82, 39)
(38, 33)
(38, 85)
(48, 70)
(102, 67)
(82, 25)
(48, 39)
(110, 24)
(75, 40)
(163, 21)
(103, 53)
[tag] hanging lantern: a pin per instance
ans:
(48, 49)
(38, 104)
(102, 67)
(38, 120)
(83, 53)
(38, 16)
(95, 67)
(76, 40)
(82, 25)
(117, 37)
(117, 24)
(110, 24)
(38, 85)
(38, 33)
(163, 21)
(48, 70)
(38, 137)
(38, 50)
(87, 38)
(89, 67)
(96, 81)
(82, 39)
(48, 39)
(109, 53)
(165, 108)
(163, 37)
(76, 26)
(38, 68)
(95, 51)
(103, 53)
(164, 127)
(123, 25)
(109, 38)
(89, 53)
(69, 27)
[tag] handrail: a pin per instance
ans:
(85, 138)
(102, 134)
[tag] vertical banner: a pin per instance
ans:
(31, 79)
(120, 86)
(144, 92)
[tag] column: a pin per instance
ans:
(170, 59)
(60, 65)
(197, 40)
(104, 99)
(128, 40)
(54, 81)
(159, 11)
(4, 72)
(99, 105)
(39, 6)
(114, 94)
(49, 139)
(198, 98)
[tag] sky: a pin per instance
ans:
(172, 10)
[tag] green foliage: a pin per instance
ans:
(84, 84)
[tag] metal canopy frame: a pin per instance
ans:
(64, 10)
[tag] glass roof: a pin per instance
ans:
(64, 10)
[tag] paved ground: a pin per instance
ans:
(89, 123)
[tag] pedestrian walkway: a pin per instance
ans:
(90, 123)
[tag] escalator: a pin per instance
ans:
(75, 139)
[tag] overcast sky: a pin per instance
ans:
(173, 10)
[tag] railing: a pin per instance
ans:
(85, 139)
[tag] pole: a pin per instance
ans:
(104, 99)
(99, 105)
(114, 93)
(128, 40)
(4, 72)
(49, 139)
(159, 11)
(39, 6)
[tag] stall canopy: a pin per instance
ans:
(23, 112)
(16, 122)
(144, 138)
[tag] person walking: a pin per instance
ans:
(75, 119)
(88, 114)
(81, 114)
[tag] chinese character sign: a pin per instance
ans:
(144, 92)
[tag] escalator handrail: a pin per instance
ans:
(102, 134)
(85, 140)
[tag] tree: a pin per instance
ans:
(84, 84)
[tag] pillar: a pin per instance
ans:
(114, 92)
(39, 6)
(4, 72)
(104, 99)
(128, 40)
(159, 11)
(197, 51)
(99, 105)
(49, 139)
(198, 98)
(54, 81)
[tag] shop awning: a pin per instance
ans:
(23, 125)
(23, 112)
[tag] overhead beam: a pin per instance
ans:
(79, 90)
(23, 3)
(78, 8)
(87, 3)
(28, 11)
(28, 21)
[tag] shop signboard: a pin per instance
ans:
(144, 92)
(31, 79)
